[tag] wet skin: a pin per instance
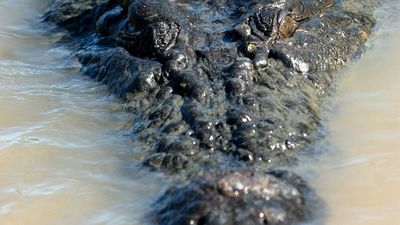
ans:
(222, 91)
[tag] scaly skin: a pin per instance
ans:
(223, 93)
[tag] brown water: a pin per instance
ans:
(63, 143)
(65, 154)
(360, 178)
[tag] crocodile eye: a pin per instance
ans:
(287, 25)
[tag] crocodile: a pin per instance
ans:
(225, 93)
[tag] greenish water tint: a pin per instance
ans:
(65, 151)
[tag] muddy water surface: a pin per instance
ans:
(64, 147)
(360, 178)
(65, 157)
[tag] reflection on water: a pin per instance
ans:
(361, 183)
(63, 152)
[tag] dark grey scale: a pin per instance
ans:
(108, 22)
(170, 163)
(303, 9)
(144, 12)
(235, 87)
(264, 21)
(156, 39)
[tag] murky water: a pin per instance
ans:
(65, 158)
(63, 149)
(360, 177)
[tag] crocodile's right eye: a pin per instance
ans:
(287, 25)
